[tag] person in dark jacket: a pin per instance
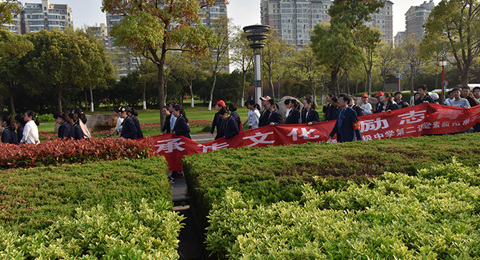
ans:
(217, 120)
(388, 102)
(347, 127)
(129, 131)
(76, 131)
(354, 106)
(379, 107)
(231, 124)
(166, 127)
(132, 113)
(232, 107)
(19, 124)
(8, 136)
(181, 124)
(423, 96)
(293, 115)
(309, 115)
(263, 120)
(330, 109)
(274, 118)
(65, 128)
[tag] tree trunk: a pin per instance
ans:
(92, 106)
(191, 94)
(86, 99)
(465, 74)
(161, 89)
(243, 89)
(271, 84)
(12, 103)
(412, 87)
(334, 80)
(60, 108)
(211, 91)
(369, 80)
(144, 96)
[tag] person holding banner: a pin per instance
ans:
(347, 128)
(423, 96)
(309, 115)
(181, 126)
(263, 121)
(217, 120)
(293, 115)
(388, 102)
(253, 114)
(274, 118)
(231, 124)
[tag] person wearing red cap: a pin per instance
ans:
(366, 106)
(217, 120)
(379, 108)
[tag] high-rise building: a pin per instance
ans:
(41, 16)
(217, 10)
(399, 37)
(384, 21)
(100, 32)
(416, 17)
(295, 19)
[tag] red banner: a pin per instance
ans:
(424, 119)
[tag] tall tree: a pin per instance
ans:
(410, 54)
(335, 45)
(456, 25)
(368, 41)
(272, 53)
(152, 28)
(218, 59)
(242, 56)
(12, 48)
(386, 61)
(8, 8)
(186, 70)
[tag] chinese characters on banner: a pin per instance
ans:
(424, 119)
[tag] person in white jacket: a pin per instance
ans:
(253, 114)
(30, 132)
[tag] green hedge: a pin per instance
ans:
(272, 174)
(116, 209)
(429, 216)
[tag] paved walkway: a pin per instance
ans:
(203, 138)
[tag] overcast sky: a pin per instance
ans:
(243, 12)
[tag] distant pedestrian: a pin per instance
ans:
(19, 124)
(166, 127)
(8, 135)
(64, 128)
(398, 99)
(354, 106)
(231, 124)
(423, 96)
(274, 118)
(253, 116)
(263, 121)
(76, 132)
(132, 113)
(217, 120)
(232, 107)
(181, 126)
(309, 115)
(347, 127)
(129, 131)
(292, 116)
(30, 132)
(118, 126)
(82, 122)
(330, 109)
(366, 106)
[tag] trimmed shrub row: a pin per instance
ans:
(435, 215)
(118, 210)
(272, 174)
(71, 151)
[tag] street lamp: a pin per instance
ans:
(443, 63)
(256, 34)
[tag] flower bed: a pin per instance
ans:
(71, 151)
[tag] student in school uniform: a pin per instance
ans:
(181, 124)
(292, 116)
(166, 127)
(231, 124)
(76, 132)
(347, 127)
(65, 128)
(263, 121)
(253, 114)
(19, 124)
(30, 132)
(129, 131)
(354, 106)
(232, 107)
(217, 120)
(132, 113)
(8, 135)
(309, 115)
(274, 118)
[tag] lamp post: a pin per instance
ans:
(443, 63)
(256, 34)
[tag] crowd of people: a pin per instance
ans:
(20, 129)
(128, 125)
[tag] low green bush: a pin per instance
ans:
(31, 199)
(144, 231)
(433, 215)
(272, 174)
